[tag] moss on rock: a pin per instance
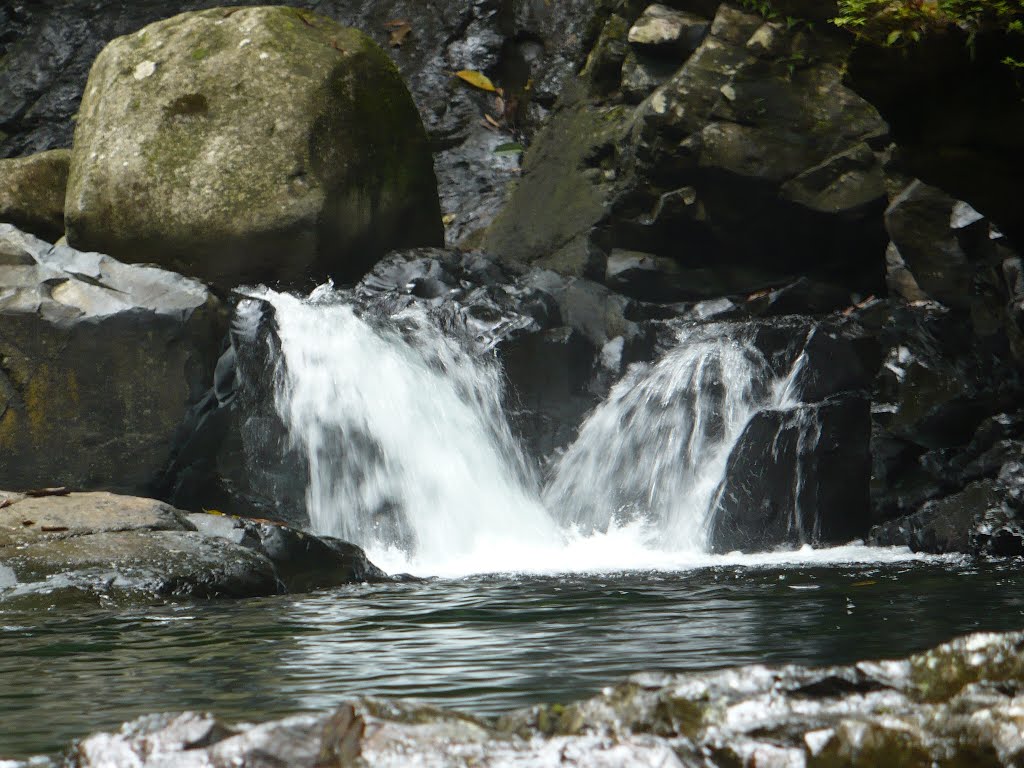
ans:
(250, 144)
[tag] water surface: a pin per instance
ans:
(483, 644)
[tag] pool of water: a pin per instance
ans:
(483, 644)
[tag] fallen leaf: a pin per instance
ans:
(476, 79)
(399, 30)
(6, 503)
(28, 522)
(53, 528)
(212, 511)
(492, 121)
(488, 125)
(448, 219)
(508, 148)
(866, 583)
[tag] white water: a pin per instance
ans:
(411, 457)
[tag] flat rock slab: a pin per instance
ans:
(63, 549)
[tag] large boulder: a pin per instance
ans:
(32, 192)
(99, 364)
(250, 145)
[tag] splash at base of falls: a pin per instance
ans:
(410, 454)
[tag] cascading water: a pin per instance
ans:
(410, 454)
(658, 446)
(403, 431)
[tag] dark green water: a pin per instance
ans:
(484, 644)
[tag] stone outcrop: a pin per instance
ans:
(32, 192)
(750, 165)
(249, 145)
(100, 547)
(957, 704)
(99, 364)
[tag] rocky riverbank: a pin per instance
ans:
(958, 704)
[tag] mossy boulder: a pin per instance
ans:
(32, 192)
(244, 145)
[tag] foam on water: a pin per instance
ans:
(411, 457)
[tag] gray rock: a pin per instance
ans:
(32, 192)
(99, 363)
(101, 546)
(312, 165)
(662, 27)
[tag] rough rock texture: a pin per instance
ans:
(313, 163)
(103, 547)
(751, 165)
(958, 704)
(99, 363)
(32, 192)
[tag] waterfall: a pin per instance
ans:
(410, 455)
(657, 447)
(403, 431)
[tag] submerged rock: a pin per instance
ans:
(99, 363)
(32, 192)
(103, 547)
(250, 145)
(957, 704)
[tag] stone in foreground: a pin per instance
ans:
(958, 704)
(100, 547)
(248, 145)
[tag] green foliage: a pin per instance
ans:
(899, 22)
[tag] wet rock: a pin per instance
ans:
(99, 364)
(978, 520)
(105, 547)
(251, 180)
(796, 477)
(957, 704)
(32, 192)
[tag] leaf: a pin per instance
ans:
(213, 512)
(448, 219)
(492, 120)
(53, 528)
(865, 583)
(40, 492)
(508, 148)
(476, 79)
(895, 35)
(399, 29)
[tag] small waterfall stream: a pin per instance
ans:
(411, 456)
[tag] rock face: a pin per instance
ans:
(251, 145)
(100, 363)
(954, 705)
(750, 165)
(100, 546)
(32, 192)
